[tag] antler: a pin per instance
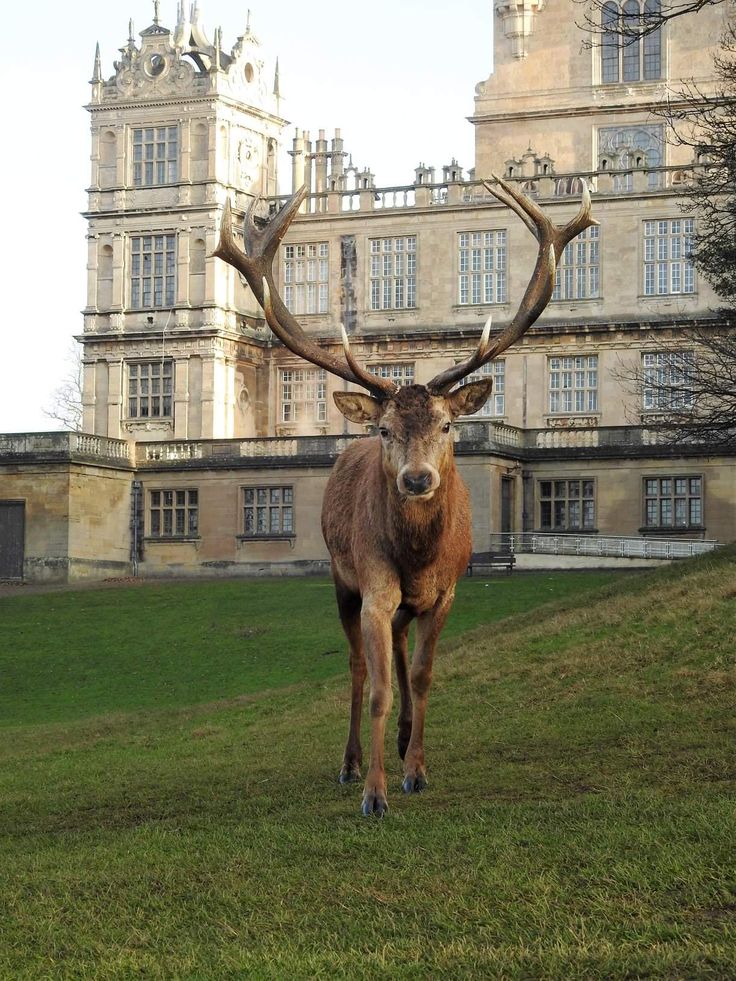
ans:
(256, 265)
(552, 241)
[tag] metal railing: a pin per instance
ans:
(602, 546)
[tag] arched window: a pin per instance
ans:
(652, 43)
(609, 43)
(626, 56)
(631, 46)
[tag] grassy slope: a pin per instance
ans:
(579, 823)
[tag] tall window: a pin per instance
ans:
(155, 156)
(626, 56)
(496, 404)
(573, 384)
(150, 385)
(303, 394)
(173, 513)
(667, 378)
(401, 374)
(668, 267)
(673, 502)
(268, 511)
(393, 283)
(482, 267)
(306, 277)
(152, 271)
(567, 505)
(578, 273)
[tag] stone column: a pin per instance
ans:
(181, 398)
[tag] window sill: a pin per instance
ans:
(668, 296)
(669, 531)
(267, 538)
(491, 305)
(577, 299)
(168, 539)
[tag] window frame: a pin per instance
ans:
(305, 277)
(636, 59)
(402, 373)
(567, 500)
(557, 392)
(298, 389)
(167, 163)
(282, 505)
(392, 273)
(156, 528)
(162, 394)
(655, 499)
(578, 273)
(482, 267)
(665, 258)
(669, 375)
(144, 271)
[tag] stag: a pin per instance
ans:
(396, 514)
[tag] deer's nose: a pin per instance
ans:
(418, 482)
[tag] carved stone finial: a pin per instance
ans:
(97, 72)
(156, 5)
(518, 21)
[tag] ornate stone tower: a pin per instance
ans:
(173, 343)
(555, 103)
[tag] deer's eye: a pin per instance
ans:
(384, 432)
(447, 427)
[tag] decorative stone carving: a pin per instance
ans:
(518, 21)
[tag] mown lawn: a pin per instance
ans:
(579, 821)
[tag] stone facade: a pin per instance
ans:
(193, 410)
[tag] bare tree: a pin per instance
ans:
(65, 404)
(597, 21)
(688, 394)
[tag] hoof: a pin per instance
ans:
(349, 774)
(374, 806)
(414, 785)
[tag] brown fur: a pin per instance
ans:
(396, 558)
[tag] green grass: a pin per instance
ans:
(579, 821)
(69, 655)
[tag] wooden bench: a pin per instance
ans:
(480, 561)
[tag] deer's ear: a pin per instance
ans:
(470, 398)
(357, 407)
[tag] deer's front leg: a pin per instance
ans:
(429, 626)
(376, 616)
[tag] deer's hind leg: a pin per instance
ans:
(400, 632)
(349, 606)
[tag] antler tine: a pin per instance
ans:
(552, 242)
(379, 387)
(446, 379)
(256, 265)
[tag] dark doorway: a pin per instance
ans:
(12, 539)
(507, 512)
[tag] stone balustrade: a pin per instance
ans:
(549, 187)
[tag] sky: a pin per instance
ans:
(396, 76)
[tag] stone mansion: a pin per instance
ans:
(206, 445)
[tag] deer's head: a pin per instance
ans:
(414, 423)
(415, 429)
